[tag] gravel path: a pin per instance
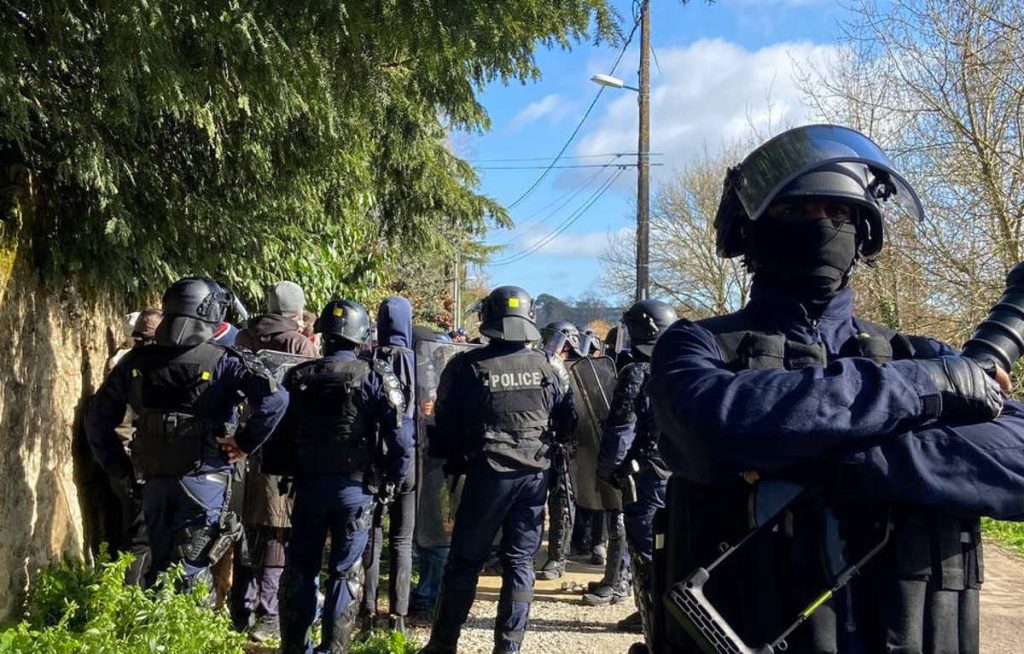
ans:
(559, 621)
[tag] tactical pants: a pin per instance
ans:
(639, 519)
(132, 536)
(181, 512)
(639, 516)
(254, 587)
(339, 506)
(514, 503)
(561, 514)
(402, 513)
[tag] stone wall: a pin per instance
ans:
(53, 346)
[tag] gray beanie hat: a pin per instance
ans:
(286, 299)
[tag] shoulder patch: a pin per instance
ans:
(392, 386)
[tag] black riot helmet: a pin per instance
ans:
(193, 308)
(344, 320)
(813, 161)
(645, 321)
(560, 333)
(507, 314)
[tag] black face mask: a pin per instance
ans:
(808, 259)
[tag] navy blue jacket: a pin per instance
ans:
(232, 382)
(457, 391)
(394, 341)
(398, 441)
(880, 419)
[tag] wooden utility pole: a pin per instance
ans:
(643, 185)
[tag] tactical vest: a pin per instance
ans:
(514, 412)
(170, 439)
(919, 595)
(334, 432)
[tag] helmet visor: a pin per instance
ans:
(768, 169)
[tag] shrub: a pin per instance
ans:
(75, 608)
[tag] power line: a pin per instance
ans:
(540, 178)
(553, 208)
(575, 156)
(564, 226)
(607, 165)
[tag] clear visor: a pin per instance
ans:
(768, 169)
(554, 341)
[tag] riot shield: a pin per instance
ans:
(278, 363)
(593, 382)
(438, 495)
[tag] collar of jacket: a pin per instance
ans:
(782, 313)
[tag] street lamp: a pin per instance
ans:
(643, 196)
(612, 82)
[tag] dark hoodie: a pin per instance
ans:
(394, 345)
(275, 332)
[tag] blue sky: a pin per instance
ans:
(723, 67)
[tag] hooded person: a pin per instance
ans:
(266, 512)
(395, 347)
(280, 328)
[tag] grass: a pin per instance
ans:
(1008, 534)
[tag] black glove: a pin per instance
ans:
(968, 393)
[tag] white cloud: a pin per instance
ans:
(709, 94)
(550, 106)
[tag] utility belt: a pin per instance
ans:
(175, 444)
(917, 560)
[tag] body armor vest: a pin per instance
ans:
(166, 384)
(334, 432)
(514, 413)
(919, 595)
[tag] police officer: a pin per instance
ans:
(266, 512)
(498, 409)
(184, 390)
(795, 387)
(561, 340)
(629, 451)
(340, 403)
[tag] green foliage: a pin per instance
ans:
(1007, 534)
(78, 609)
(260, 140)
(394, 642)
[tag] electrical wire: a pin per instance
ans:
(568, 222)
(586, 114)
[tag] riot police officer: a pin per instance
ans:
(629, 450)
(795, 387)
(498, 409)
(340, 403)
(184, 390)
(561, 340)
